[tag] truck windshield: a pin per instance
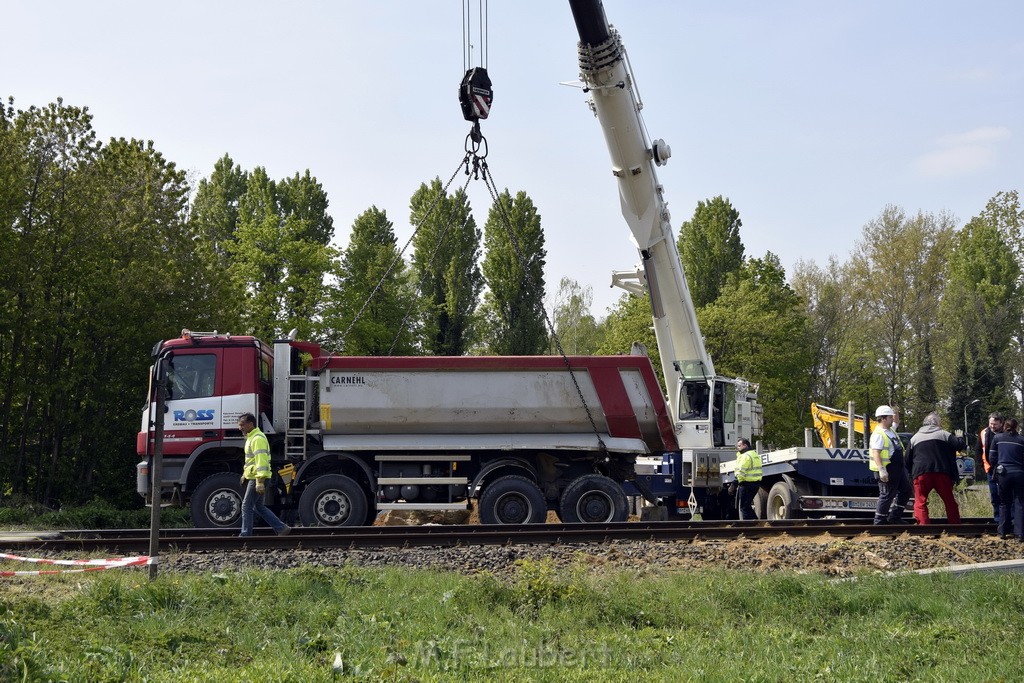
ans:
(193, 376)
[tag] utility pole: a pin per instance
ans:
(159, 380)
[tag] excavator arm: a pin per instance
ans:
(826, 420)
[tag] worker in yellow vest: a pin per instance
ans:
(255, 474)
(748, 477)
(886, 461)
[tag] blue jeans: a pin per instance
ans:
(747, 491)
(1011, 497)
(993, 492)
(254, 501)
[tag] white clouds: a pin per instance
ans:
(962, 154)
(988, 135)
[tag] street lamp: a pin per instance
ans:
(977, 400)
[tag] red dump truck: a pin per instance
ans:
(352, 436)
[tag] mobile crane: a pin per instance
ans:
(709, 411)
(351, 436)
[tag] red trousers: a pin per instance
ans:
(923, 485)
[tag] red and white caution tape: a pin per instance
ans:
(85, 565)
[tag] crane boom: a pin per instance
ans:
(694, 391)
(605, 74)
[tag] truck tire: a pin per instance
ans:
(512, 499)
(333, 500)
(761, 503)
(593, 499)
(780, 502)
(217, 502)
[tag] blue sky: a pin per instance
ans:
(810, 117)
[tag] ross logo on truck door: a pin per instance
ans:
(194, 415)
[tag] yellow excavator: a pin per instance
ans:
(828, 422)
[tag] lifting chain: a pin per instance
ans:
(514, 240)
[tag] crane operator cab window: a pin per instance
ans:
(192, 376)
(694, 399)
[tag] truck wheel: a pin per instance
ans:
(333, 500)
(761, 503)
(593, 498)
(217, 502)
(780, 502)
(512, 499)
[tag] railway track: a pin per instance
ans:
(130, 541)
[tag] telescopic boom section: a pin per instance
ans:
(609, 83)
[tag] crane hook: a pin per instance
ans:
(475, 97)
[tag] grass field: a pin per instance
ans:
(540, 625)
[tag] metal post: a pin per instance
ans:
(966, 432)
(850, 417)
(155, 472)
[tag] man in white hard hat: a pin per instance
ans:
(887, 464)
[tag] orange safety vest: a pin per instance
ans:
(984, 449)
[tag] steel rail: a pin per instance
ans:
(137, 540)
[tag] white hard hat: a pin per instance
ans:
(883, 411)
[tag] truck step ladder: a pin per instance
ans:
(300, 389)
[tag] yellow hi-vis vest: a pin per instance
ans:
(257, 455)
(886, 448)
(748, 466)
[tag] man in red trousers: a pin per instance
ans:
(931, 460)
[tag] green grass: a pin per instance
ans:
(542, 624)
(95, 515)
(973, 502)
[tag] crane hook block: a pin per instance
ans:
(475, 94)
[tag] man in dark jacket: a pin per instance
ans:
(931, 460)
(1007, 458)
(981, 454)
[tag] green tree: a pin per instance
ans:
(629, 322)
(962, 405)
(574, 323)
(1004, 212)
(757, 329)
(141, 236)
(446, 252)
(828, 305)
(374, 284)
(308, 256)
(513, 269)
(897, 269)
(215, 207)
(710, 248)
(280, 255)
(46, 189)
(213, 219)
(102, 264)
(981, 309)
